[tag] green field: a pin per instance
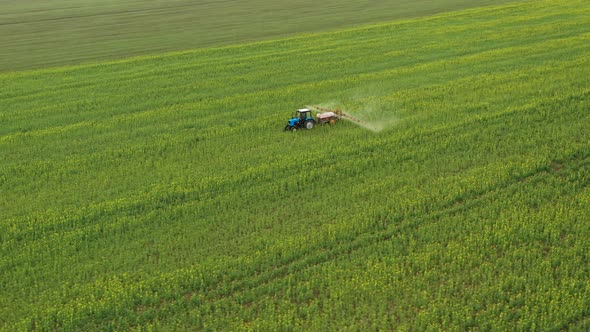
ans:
(160, 192)
(37, 34)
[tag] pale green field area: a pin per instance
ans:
(36, 34)
(161, 192)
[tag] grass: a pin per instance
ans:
(161, 192)
(36, 34)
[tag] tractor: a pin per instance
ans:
(302, 118)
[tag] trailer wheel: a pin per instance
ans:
(332, 122)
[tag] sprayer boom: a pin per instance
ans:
(340, 114)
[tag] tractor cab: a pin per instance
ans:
(302, 118)
(303, 114)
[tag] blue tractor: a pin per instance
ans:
(302, 119)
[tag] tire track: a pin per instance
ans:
(320, 254)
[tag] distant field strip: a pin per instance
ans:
(161, 191)
(36, 34)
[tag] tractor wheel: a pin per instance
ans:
(287, 127)
(309, 124)
(294, 129)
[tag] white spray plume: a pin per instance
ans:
(372, 115)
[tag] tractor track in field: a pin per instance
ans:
(237, 287)
(321, 254)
